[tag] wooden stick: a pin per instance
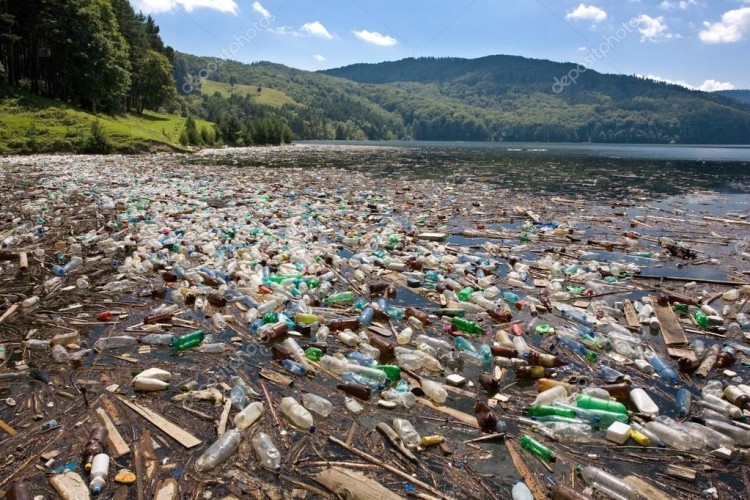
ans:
(116, 442)
(172, 430)
(399, 473)
(274, 416)
(727, 221)
(7, 428)
(465, 418)
(697, 280)
(389, 433)
(224, 417)
(523, 470)
(347, 483)
(10, 311)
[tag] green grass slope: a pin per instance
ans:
(267, 96)
(30, 123)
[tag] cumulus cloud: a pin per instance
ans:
(319, 58)
(375, 38)
(157, 6)
(682, 4)
(315, 29)
(257, 7)
(733, 27)
(587, 13)
(709, 85)
(652, 29)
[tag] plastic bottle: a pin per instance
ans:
(406, 431)
(266, 451)
(701, 319)
(712, 438)
(663, 369)
(740, 436)
(188, 340)
(537, 448)
(393, 372)
(591, 403)
(297, 413)
(434, 391)
(643, 402)
(726, 357)
(405, 399)
(671, 436)
(219, 451)
(545, 383)
(149, 384)
(99, 472)
(372, 373)
(532, 372)
(334, 364)
(317, 404)
(293, 367)
(717, 404)
(467, 326)
(578, 348)
(605, 481)
(115, 342)
(546, 397)
(157, 339)
(404, 336)
(521, 492)
(566, 431)
(683, 402)
(96, 444)
(545, 410)
(248, 415)
(737, 397)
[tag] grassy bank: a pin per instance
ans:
(30, 124)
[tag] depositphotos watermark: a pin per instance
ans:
(593, 55)
(230, 52)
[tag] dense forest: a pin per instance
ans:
(494, 98)
(103, 57)
(737, 95)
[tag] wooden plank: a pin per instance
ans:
(116, 443)
(467, 419)
(646, 489)
(172, 430)
(347, 483)
(630, 315)
(10, 311)
(7, 428)
(525, 473)
(671, 330)
(682, 352)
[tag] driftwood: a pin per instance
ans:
(525, 473)
(671, 330)
(116, 443)
(353, 485)
(167, 489)
(172, 430)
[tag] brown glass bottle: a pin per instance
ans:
(97, 444)
(726, 357)
(338, 325)
(386, 348)
(359, 391)
(502, 351)
(546, 383)
(413, 312)
(686, 364)
(157, 318)
(275, 332)
(737, 397)
(217, 300)
(488, 382)
(377, 287)
(543, 359)
(279, 352)
(485, 417)
(619, 391)
(18, 491)
(533, 372)
(501, 314)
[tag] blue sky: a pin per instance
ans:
(699, 43)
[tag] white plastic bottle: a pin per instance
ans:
(297, 413)
(149, 384)
(434, 391)
(99, 472)
(248, 415)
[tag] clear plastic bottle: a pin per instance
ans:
(546, 397)
(248, 415)
(406, 431)
(266, 451)
(566, 431)
(434, 391)
(607, 482)
(99, 473)
(297, 413)
(521, 492)
(317, 404)
(115, 342)
(219, 451)
(405, 399)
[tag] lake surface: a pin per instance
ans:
(592, 171)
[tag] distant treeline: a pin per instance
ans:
(494, 98)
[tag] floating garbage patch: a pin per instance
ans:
(171, 330)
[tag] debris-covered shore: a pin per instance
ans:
(175, 330)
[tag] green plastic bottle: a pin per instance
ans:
(341, 298)
(313, 353)
(188, 340)
(700, 318)
(464, 294)
(393, 372)
(467, 326)
(545, 410)
(464, 345)
(537, 448)
(592, 403)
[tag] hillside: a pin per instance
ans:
(498, 98)
(266, 96)
(738, 95)
(31, 123)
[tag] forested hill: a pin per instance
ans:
(494, 98)
(738, 95)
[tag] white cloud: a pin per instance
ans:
(315, 29)
(652, 29)
(157, 6)
(319, 58)
(682, 4)
(375, 38)
(257, 7)
(707, 86)
(733, 27)
(587, 13)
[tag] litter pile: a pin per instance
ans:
(179, 331)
